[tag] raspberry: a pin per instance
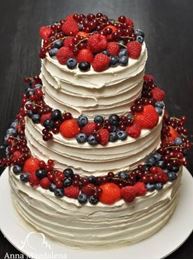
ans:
(31, 165)
(97, 42)
(33, 180)
(44, 117)
(45, 183)
(70, 26)
(113, 48)
(89, 189)
(104, 136)
(148, 118)
(128, 193)
(89, 128)
(68, 42)
(64, 54)
(72, 191)
(45, 32)
(134, 130)
(69, 128)
(158, 94)
(134, 49)
(140, 189)
(85, 55)
(110, 193)
(101, 62)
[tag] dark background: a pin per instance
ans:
(169, 37)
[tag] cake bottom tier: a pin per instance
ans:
(99, 226)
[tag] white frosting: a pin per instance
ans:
(65, 220)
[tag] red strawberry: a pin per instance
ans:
(110, 193)
(85, 55)
(31, 165)
(89, 189)
(70, 26)
(140, 189)
(45, 32)
(68, 42)
(129, 22)
(69, 128)
(134, 49)
(64, 54)
(100, 62)
(97, 42)
(158, 94)
(72, 191)
(113, 48)
(128, 193)
(173, 134)
(148, 118)
(89, 128)
(148, 78)
(45, 183)
(33, 180)
(44, 117)
(134, 130)
(104, 136)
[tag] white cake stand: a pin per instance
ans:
(36, 245)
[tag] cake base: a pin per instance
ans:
(35, 244)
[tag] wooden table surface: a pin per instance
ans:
(169, 38)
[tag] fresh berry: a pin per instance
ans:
(82, 120)
(81, 138)
(128, 193)
(48, 124)
(72, 191)
(114, 119)
(70, 27)
(53, 52)
(34, 180)
(71, 63)
(64, 54)
(113, 48)
(93, 200)
(173, 134)
(110, 193)
(140, 39)
(82, 198)
(89, 189)
(89, 128)
(178, 141)
(97, 43)
(45, 183)
(113, 137)
(84, 66)
(58, 44)
(134, 130)
(17, 169)
(56, 115)
(41, 173)
(140, 189)
(123, 60)
(114, 61)
(24, 177)
(85, 55)
(44, 117)
(59, 193)
(45, 32)
(122, 135)
(158, 94)
(150, 186)
(158, 186)
(139, 32)
(31, 165)
(104, 136)
(92, 140)
(52, 187)
(172, 176)
(68, 172)
(123, 175)
(69, 128)
(67, 182)
(98, 119)
(148, 78)
(123, 52)
(101, 62)
(148, 118)
(134, 49)
(35, 118)
(68, 42)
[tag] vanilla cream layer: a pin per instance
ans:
(91, 93)
(87, 159)
(99, 226)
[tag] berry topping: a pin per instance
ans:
(44, 117)
(148, 118)
(134, 49)
(110, 193)
(45, 183)
(134, 130)
(104, 136)
(173, 134)
(89, 128)
(82, 120)
(89, 189)
(72, 191)
(69, 128)
(85, 55)
(101, 62)
(84, 66)
(128, 193)
(97, 43)
(24, 177)
(113, 48)
(81, 138)
(70, 26)
(82, 198)
(158, 94)
(45, 32)
(140, 189)
(64, 54)
(68, 42)
(71, 63)
(31, 165)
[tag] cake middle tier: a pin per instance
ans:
(93, 160)
(92, 93)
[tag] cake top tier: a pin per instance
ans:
(91, 42)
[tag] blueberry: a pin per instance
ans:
(58, 44)
(82, 120)
(53, 52)
(11, 132)
(56, 115)
(114, 119)
(114, 61)
(151, 161)
(157, 156)
(113, 137)
(81, 138)
(41, 173)
(29, 92)
(150, 187)
(14, 124)
(158, 110)
(123, 175)
(158, 186)
(122, 135)
(24, 177)
(58, 193)
(84, 66)
(175, 168)
(93, 200)
(123, 61)
(17, 169)
(92, 179)
(178, 141)
(82, 198)
(140, 39)
(172, 176)
(29, 113)
(160, 104)
(123, 52)
(139, 32)
(71, 63)
(106, 52)
(52, 187)
(92, 140)
(98, 119)
(67, 182)
(68, 172)
(160, 164)
(48, 124)
(35, 118)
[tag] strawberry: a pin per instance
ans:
(158, 94)
(85, 55)
(97, 42)
(140, 189)
(31, 165)
(134, 49)
(68, 42)
(148, 118)
(70, 26)
(134, 130)
(45, 183)
(173, 134)
(100, 62)
(89, 128)
(128, 193)
(64, 54)
(110, 193)
(104, 136)
(45, 32)
(44, 117)
(113, 48)
(72, 191)
(69, 128)
(89, 189)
